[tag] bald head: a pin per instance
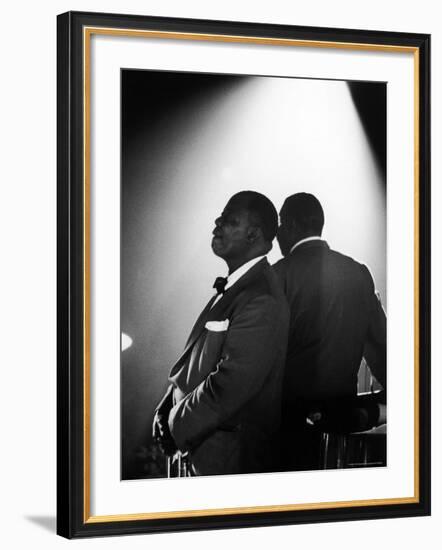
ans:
(245, 229)
(301, 216)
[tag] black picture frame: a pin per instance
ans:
(73, 518)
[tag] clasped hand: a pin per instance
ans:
(162, 435)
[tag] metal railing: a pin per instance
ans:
(178, 465)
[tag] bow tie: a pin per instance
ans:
(220, 284)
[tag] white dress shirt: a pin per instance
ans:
(237, 274)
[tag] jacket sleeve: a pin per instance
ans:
(166, 402)
(246, 360)
(375, 347)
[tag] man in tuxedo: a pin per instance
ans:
(223, 403)
(336, 319)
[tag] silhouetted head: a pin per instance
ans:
(245, 229)
(301, 216)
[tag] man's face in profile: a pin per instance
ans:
(284, 234)
(230, 236)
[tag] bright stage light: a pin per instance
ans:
(126, 341)
(277, 136)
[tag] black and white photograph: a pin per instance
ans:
(221, 253)
(243, 274)
(253, 274)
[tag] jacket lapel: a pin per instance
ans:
(197, 329)
(210, 313)
(224, 303)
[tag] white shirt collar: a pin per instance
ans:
(306, 240)
(238, 273)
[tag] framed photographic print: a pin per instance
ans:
(241, 208)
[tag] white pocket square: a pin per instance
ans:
(217, 326)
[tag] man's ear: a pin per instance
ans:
(294, 229)
(253, 234)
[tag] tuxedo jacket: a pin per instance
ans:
(336, 319)
(225, 390)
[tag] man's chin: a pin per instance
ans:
(217, 248)
(218, 251)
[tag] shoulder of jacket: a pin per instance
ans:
(281, 267)
(346, 258)
(264, 286)
(358, 266)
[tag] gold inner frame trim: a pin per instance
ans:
(87, 33)
(416, 275)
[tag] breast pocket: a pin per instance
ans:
(212, 351)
